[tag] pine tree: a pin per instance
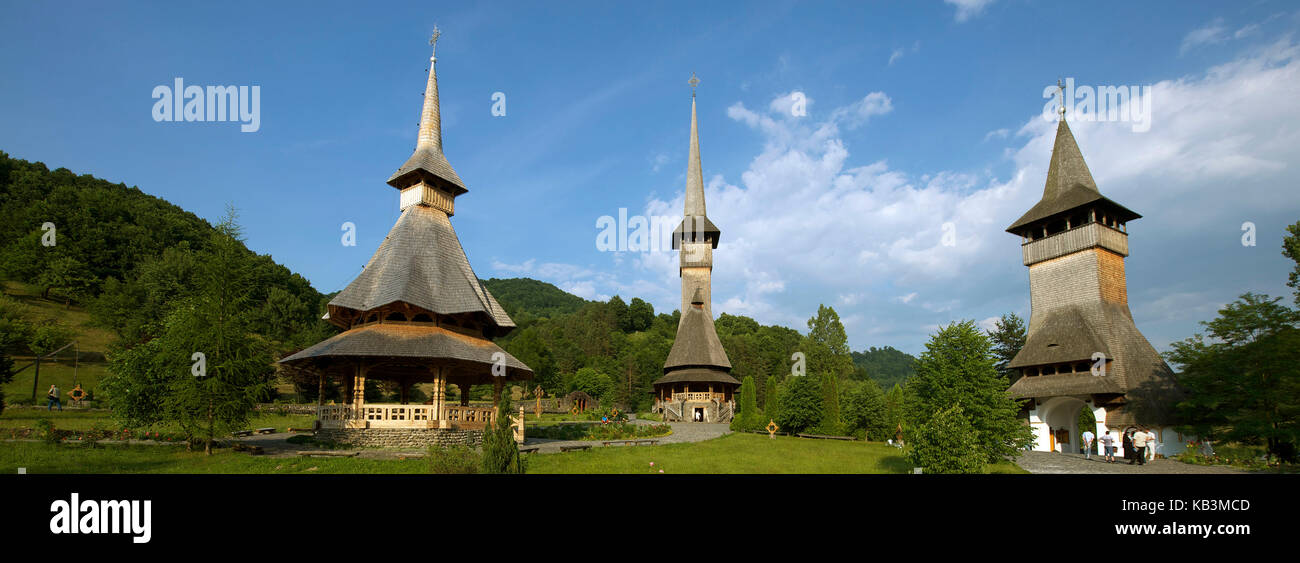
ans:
(771, 400)
(958, 369)
(500, 452)
(748, 417)
(1008, 336)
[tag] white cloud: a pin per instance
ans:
(997, 134)
(1209, 34)
(967, 9)
(810, 221)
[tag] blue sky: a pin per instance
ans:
(919, 114)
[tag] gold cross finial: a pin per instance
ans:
(433, 39)
(693, 82)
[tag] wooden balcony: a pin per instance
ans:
(371, 415)
(698, 397)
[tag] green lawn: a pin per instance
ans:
(68, 458)
(737, 453)
(71, 419)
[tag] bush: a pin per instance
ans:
(500, 453)
(801, 405)
(946, 444)
(453, 460)
(45, 429)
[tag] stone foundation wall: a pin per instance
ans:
(401, 437)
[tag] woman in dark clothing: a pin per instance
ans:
(1128, 444)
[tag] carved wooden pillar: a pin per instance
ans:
(359, 388)
(497, 383)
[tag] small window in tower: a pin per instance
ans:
(422, 318)
(396, 316)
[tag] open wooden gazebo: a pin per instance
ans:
(417, 314)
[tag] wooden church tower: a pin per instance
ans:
(1082, 348)
(416, 314)
(697, 384)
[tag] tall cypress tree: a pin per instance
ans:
(831, 423)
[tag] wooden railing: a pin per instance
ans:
(1074, 240)
(469, 417)
(404, 416)
(698, 396)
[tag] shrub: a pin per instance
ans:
(946, 444)
(500, 453)
(45, 429)
(453, 460)
(801, 405)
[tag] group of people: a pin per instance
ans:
(1139, 445)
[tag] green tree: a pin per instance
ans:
(830, 392)
(1291, 249)
(500, 452)
(1008, 336)
(640, 315)
(748, 417)
(592, 382)
(206, 370)
(771, 399)
(800, 405)
(958, 369)
(946, 443)
(1243, 382)
(864, 410)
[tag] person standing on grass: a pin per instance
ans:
(1108, 446)
(1139, 447)
(53, 396)
(1087, 444)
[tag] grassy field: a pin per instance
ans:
(42, 458)
(737, 453)
(89, 339)
(71, 419)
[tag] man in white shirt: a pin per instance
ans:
(1151, 445)
(1088, 436)
(1139, 447)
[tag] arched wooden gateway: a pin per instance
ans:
(697, 385)
(417, 314)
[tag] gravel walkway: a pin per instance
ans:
(1049, 462)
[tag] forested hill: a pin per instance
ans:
(533, 297)
(126, 254)
(887, 365)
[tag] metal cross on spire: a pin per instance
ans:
(1060, 89)
(433, 39)
(693, 82)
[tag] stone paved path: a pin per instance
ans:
(1049, 462)
(682, 432)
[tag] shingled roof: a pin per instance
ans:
(1069, 184)
(421, 262)
(1064, 336)
(696, 351)
(412, 341)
